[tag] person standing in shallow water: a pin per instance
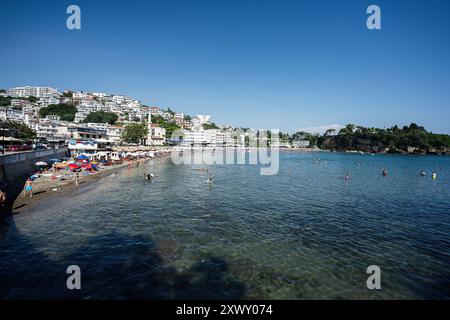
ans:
(434, 175)
(2, 202)
(28, 188)
(384, 173)
(2, 198)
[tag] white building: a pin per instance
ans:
(28, 91)
(156, 135)
(155, 111)
(179, 115)
(211, 137)
(14, 115)
(118, 99)
(99, 94)
(79, 95)
(198, 120)
(86, 107)
(87, 146)
(51, 130)
(167, 116)
(200, 138)
(48, 99)
(3, 113)
(114, 133)
(20, 103)
(300, 144)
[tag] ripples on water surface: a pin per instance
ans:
(304, 233)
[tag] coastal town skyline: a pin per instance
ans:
(319, 129)
(323, 66)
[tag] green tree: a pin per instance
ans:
(65, 111)
(394, 138)
(134, 132)
(301, 135)
(169, 126)
(348, 129)
(19, 130)
(101, 117)
(33, 99)
(5, 101)
(67, 94)
(209, 125)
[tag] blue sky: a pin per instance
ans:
(261, 64)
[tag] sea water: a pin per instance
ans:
(304, 233)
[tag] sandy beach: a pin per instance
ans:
(46, 187)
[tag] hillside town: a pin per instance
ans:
(93, 122)
(68, 118)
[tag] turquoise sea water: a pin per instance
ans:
(305, 233)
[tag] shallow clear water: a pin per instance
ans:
(305, 233)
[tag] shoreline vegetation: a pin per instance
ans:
(412, 139)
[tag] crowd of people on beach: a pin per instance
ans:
(70, 169)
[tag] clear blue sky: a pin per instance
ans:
(260, 64)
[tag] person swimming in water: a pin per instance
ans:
(384, 173)
(347, 176)
(210, 179)
(434, 175)
(423, 173)
(149, 176)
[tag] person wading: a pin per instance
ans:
(28, 188)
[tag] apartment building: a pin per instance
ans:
(28, 91)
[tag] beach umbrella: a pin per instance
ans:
(82, 157)
(60, 165)
(73, 166)
(41, 163)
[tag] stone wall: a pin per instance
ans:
(22, 164)
(16, 168)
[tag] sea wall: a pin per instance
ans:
(17, 165)
(16, 168)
